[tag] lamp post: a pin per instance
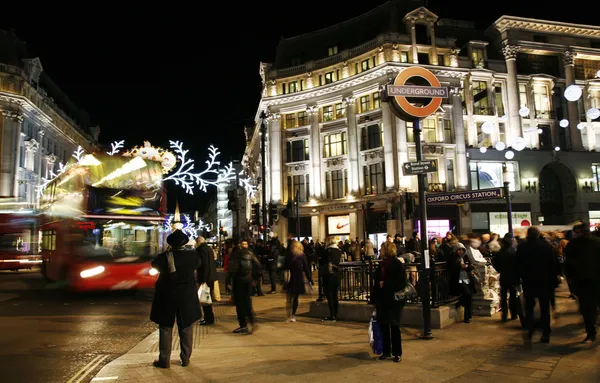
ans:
(507, 197)
(263, 150)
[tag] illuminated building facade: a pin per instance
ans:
(40, 126)
(333, 139)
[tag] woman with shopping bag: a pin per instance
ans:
(208, 281)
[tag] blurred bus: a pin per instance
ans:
(18, 235)
(102, 223)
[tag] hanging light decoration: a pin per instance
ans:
(500, 146)
(557, 149)
(573, 93)
(593, 113)
(564, 123)
(519, 144)
(483, 149)
(509, 155)
(581, 126)
(540, 131)
(487, 127)
(524, 111)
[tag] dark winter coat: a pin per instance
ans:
(582, 259)
(178, 296)
(505, 262)
(536, 264)
(298, 269)
(453, 268)
(207, 273)
(391, 272)
(244, 266)
(333, 255)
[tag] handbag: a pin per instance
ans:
(408, 293)
(216, 292)
(204, 295)
(375, 336)
(474, 275)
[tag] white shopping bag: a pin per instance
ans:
(204, 295)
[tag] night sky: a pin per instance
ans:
(190, 73)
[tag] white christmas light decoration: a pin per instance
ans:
(116, 147)
(581, 126)
(564, 123)
(598, 74)
(573, 92)
(509, 155)
(45, 182)
(483, 149)
(487, 127)
(184, 176)
(593, 113)
(500, 146)
(519, 144)
(78, 153)
(186, 225)
(540, 131)
(557, 149)
(524, 111)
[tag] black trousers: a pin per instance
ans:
(165, 341)
(208, 314)
(242, 296)
(321, 292)
(466, 300)
(543, 297)
(587, 293)
(272, 279)
(258, 286)
(510, 302)
(292, 303)
(331, 285)
(392, 340)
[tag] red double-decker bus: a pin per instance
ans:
(18, 236)
(102, 223)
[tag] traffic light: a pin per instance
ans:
(232, 200)
(261, 228)
(255, 214)
(273, 213)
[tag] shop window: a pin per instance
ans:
(487, 175)
(336, 184)
(374, 178)
(334, 144)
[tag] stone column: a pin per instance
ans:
(381, 55)
(454, 57)
(512, 90)
(309, 80)
(275, 157)
(314, 226)
(353, 149)
(396, 53)
(315, 152)
(434, 54)
(353, 224)
(40, 156)
(388, 146)
(402, 152)
(345, 70)
(462, 172)
(573, 111)
(413, 39)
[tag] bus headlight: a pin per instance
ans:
(153, 272)
(92, 272)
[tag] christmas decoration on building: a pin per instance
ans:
(116, 147)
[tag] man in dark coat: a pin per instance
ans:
(175, 296)
(244, 267)
(505, 262)
(582, 268)
(536, 265)
(207, 273)
(272, 254)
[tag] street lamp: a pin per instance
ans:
(507, 197)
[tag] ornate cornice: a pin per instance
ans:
(13, 115)
(569, 57)
(511, 22)
(510, 52)
(456, 90)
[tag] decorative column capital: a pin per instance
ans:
(14, 115)
(273, 117)
(42, 132)
(51, 159)
(456, 90)
(348, 100)
(510, 52)
(569, 57)
(312, 110)
(32, 145)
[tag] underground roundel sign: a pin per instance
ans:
(401, 91)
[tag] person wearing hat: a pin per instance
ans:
(175, 297)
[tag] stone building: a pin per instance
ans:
(40, 126)
(332, 138)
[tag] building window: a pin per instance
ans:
(336, 183)
(297, 150)
(448, 131)
(596, 177)
(478, 57)
(328, 113)
(541, 100)
(374, 178)
(364, 104)
(450, 185)
(487, 175)
(301, 184)
(523, 95)
(290, 121)
(502, 132)
(328, 77)
(332, 50)
(371, 137)
(302, 118)
(364, 65)
(293, 87)
(340, 111)
(481, 104)
(334, 145)
(376, 100)
(499, 102)
(429, 130)
(404, 57)
(410, 134)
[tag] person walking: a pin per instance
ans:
(299, 268)
(331, 277)
(207, 273)
(244, 267)
(460, 281)
(505, 262)
(175, 297)
(271, 263)
(390, 278)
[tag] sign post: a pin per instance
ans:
(404, 96)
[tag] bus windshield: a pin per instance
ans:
(122, 241)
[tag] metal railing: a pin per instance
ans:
(357, 281)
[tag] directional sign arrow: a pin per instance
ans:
(406, 166)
